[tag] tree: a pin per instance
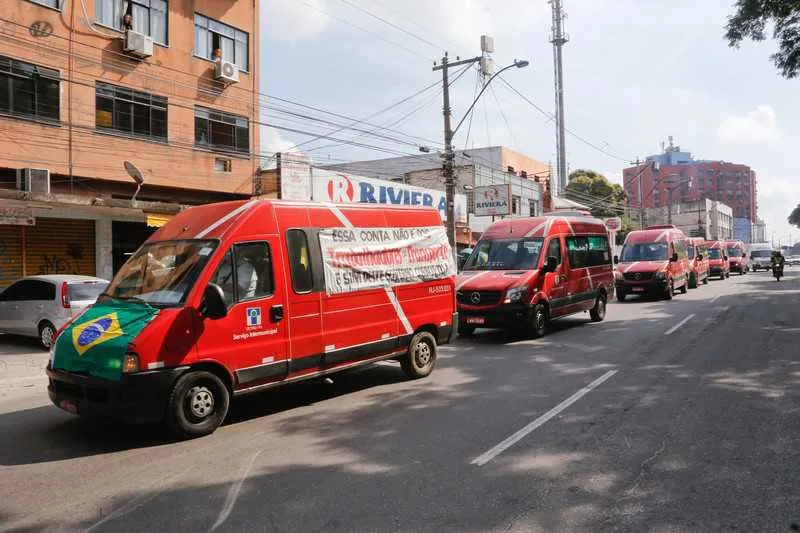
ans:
(594, 190)
(794, 218)
(751, 19)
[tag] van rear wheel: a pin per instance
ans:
(598, 312)
(197, 405)
(421, 356)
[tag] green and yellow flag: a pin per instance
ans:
(95, 344)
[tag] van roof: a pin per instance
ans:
(214, 221)
(658, 234)
(542, 226)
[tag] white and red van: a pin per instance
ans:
(525, 272)
(718, 261)
(238, 297)
(653, 261)
(737, 256)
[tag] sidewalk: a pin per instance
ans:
(22, 364)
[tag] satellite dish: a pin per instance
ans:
(134, 172)
(137, 176)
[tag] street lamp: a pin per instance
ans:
(449, 132)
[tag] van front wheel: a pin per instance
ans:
(197, 405)
(421, 356)
(539, 320)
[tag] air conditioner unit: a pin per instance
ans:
(33, 180)
(227, 72)
(138, 44)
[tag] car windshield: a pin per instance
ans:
(761, 253)
(86, 291)
(161, 274)
(505, 254)
(714, 253)
(652, 251)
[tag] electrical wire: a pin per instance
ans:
(502, 114)
(478, 78)
(391, 24)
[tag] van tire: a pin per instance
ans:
(692, 281)
(598, 312)
(621, 296)
(420, 359)
(685, 287)
(670, 292)
(539, 320)
(47, 334)
(705, 280)
(197, 405)
(465, 330)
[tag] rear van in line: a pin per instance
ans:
(698, 261)
(525, 272)
(718, 260)
(238, 297)
(737, 256)
(760, 256)
(654, 261)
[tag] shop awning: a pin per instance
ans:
(157, 220)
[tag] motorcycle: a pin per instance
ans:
(777, 271)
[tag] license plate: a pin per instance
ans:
(637, 289)
(68, 406)
(475, 320)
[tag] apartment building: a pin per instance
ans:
(170, 86)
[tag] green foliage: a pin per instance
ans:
(593, 189)
(794, 217)
(751, 19)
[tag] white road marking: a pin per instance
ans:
(522, 433)
(149, 492)
(677, 326)
(714, 299)
(233, 493)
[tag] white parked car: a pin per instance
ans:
(38, 306)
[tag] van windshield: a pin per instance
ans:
(714, 253)
(161, 274)
(505, 254)
(690, 251)
(734, 252)
(651, 251)
(761, 253)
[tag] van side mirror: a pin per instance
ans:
(616, 259)
(699, 257)
(724, 257)
(744, 256)
(213, 306)
(674, 257)
(551, 265)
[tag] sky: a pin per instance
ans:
(635, 72)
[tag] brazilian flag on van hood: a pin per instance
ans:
(95, 343)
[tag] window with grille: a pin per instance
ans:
(211, 36)
(220, 130)
(28, 90)
(130, 111)
(149, 17)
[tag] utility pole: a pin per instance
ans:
(559, 39)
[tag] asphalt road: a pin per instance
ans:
(628, 425)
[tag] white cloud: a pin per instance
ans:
(613, 176)
(290, 20)
(757, 126)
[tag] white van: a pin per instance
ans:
(760, 256)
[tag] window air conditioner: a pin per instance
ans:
(138, 44)
(33, 180)
(227, 72)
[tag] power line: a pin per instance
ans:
(502, 114)
(391, 24)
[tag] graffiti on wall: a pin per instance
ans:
(58, 264)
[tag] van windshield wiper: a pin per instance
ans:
(127, 299)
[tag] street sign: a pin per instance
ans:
(492, 200)
(613, 223)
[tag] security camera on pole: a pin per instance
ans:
(487, 68)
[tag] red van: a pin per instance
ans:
(653, 261)
(525, 272)
(698, 261)
(238, 297)
(737, 257)
(718, 260)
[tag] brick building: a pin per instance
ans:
(675, 177)
(170, 85)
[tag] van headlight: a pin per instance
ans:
(618, 275)
(661, 275)
(516, 294)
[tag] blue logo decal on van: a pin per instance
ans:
(253, 317)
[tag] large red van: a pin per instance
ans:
(698, 261)
(718, 260)
(653, 261)
(525, 272)
(238, 297)
(737, 256)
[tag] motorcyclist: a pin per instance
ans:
(777, 259)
